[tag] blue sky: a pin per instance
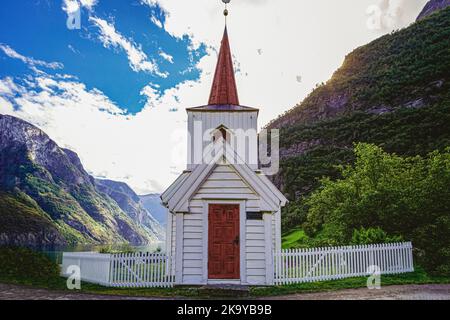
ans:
(40, 32)
(115, 90)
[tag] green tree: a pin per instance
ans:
(406, 197)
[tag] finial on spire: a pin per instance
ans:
(225, 12)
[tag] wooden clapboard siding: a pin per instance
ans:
(211, 120)
(225, 183)
(277, 229)
(255, 252)
(274, 240)
(193, 247)
(174, 235)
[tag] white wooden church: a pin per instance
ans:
(223, 212)
(223, 217)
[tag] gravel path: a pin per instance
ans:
(409, 292)
(14, 292)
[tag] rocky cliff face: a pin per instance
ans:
(152, 202)
(432, 6)
(58, 189)
(131, 204)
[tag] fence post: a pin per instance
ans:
(411, 257)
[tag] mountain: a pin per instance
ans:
(393, 92)
(152, 202)
(47, 198)
(432, 6)
(132, 204)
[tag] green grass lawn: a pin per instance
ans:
(417, 277)
(295, 238)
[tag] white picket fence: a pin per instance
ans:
(140, 269)
(319, 264)
(143, 269)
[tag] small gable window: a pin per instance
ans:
(221, 132)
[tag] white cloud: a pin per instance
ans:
(31, 62)
(6, 106)
(157, 22)
(166, 56)
(387, 15)
(71, 6)
(89, 4)
(151, 3)
(137, 58)
(136, 149)
(8, 87)
(152, 94)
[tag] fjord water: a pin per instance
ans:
(55, 253)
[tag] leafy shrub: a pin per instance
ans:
(22, 263)
(372, 236)
(118, 248)
(294, 214)
(407, 196)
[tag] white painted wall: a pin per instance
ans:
(232, 120)
(193, 236)
(256, 252)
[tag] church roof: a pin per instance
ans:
(224, 95)
(223, 107)
(176, 197)
(224, 89)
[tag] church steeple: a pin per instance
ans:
(224, 90)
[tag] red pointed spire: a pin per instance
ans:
(224, 90)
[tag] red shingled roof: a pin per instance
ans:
(224, 90)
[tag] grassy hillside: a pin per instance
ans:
(22, 217)
(393, 92)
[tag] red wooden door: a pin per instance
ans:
(223, 241)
